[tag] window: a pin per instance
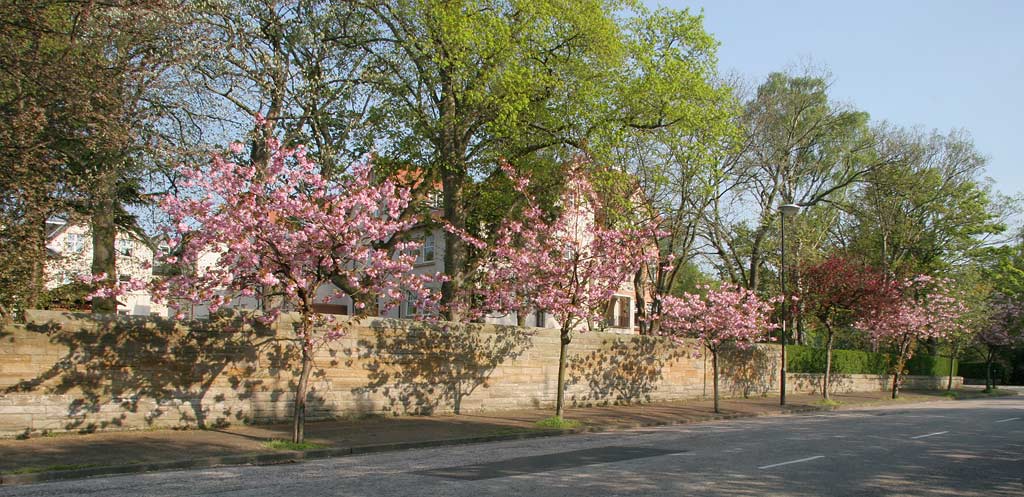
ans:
(436, 199)
(617, 315)
(124, 277)
(74, 243)
(539, 319)
(427, 250)
(409, 308)
(125, 247)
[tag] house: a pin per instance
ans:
(71, 246)
(69, 259)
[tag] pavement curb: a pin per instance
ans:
(290, 457)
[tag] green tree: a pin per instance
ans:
(928, 212)
(459, 85)
(798, 146)
(77, 92)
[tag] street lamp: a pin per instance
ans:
(787, 210)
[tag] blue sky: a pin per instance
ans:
(930, 63)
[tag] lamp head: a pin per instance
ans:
(790, 210)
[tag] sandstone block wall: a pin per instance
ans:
(67, 372)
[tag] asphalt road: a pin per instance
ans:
(964, 448)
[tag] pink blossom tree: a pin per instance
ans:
(833, 292)
(568, 265)
(906, 311)
(284, 231)
(727, 315)
(1005, 328)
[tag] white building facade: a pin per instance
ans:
(69, 247)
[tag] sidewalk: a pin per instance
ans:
(77, 456)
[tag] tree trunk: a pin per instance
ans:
(521, 318)
(299, 414)
(654, 327)
(714, 375)
(560, 399)
(901, 362)
(641, 302)
(952, 366)
(828, 363)
(455, 252)
(451, 150)
(369, 302)
(799, 325)
(104, 236)
(990, 384)
(36, 220)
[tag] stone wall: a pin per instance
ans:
(67, 372)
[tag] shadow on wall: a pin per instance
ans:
(810, 383)
(113, 368)
(622, 371)
(422, 368)
(748, 372)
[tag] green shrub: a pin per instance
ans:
(804, 359)
(930, 365)
(289, 445)
(976, 370)
(558, 423)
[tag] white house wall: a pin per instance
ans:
(69, 266)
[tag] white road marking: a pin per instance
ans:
(1008, 419)
(790, 462)
(929, 435)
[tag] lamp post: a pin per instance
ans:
(787, 210)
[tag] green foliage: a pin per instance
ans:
(803, 359)
(929, 209)
(689, 279)
(977, 371)
(558, 423)
(70, 296)
(927, 365)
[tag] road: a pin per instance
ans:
(964, 448)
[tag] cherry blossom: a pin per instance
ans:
(569, 266)
(1005, 328)
(283, 232)
(905, 311)
(726, 315)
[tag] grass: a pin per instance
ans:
(54, 467)
(289, 445)
(828, 403)
(976, 394)
(558, 423)
(995, 392)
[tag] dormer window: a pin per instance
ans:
(435, 199)
(125, 247)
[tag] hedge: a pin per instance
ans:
(930, 365)
(804, 359)
(976, 371)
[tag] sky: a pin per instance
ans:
(935, 64)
